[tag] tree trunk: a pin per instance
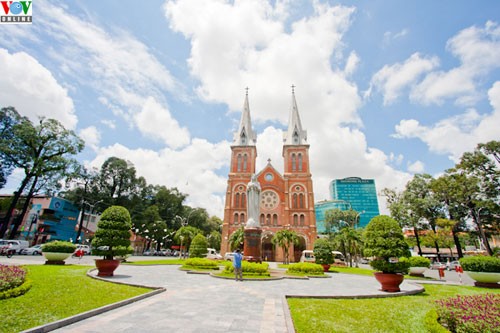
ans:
(13, 205)
(477, 219)
(26, 205)
(417, 238)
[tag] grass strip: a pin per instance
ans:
(397, 314)
(59, 292)
(156, 262)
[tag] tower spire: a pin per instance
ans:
(245, 135)
(295, 135)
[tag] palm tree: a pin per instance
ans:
(284, 238)
(236, 239)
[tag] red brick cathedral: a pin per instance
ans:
(287, 201)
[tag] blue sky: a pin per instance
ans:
(385, 89)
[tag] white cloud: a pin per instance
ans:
(91, 136)
(455, 135)
(192, 170)
(478, 49)
(389, 36)
(416, 167)
(29, 87)
(392, 80)
(157, 122)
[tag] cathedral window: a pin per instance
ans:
(301, 200)
(242, 218)
(294, 200)
(295, 219)
(239, 162)
(262, 219)
(245, 161)
(235, 221)
(275, 219)
(268, 219)
(294, 162)
(243, 200)
(300, 162)
(302, 220)
(237, 200)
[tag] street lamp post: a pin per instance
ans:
(184, 222)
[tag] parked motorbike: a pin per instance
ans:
(6, 251)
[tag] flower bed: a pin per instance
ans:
(471, 314)
(13, 281)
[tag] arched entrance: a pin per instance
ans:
(297, 249)
(268, 251)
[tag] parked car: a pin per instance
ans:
(453, 265)
(16, 244)
(34, 250)
(307, 256)
(212, 254)
(229, 256)
(85, 248)
(438, 265)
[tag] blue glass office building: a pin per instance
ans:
(320, 209)
(360, 193)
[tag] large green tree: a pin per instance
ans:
(39, 150)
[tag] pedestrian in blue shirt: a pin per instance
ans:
(238, 272)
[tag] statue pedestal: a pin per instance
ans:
(252, 245)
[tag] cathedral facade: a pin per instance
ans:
(286, 201)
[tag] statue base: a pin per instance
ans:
(252, 244)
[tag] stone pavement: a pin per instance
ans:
(201, 303)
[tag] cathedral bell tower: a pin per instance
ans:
(242, 167)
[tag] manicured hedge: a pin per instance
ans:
(59, 246)
(481, 264)
(418, 261)
(249, 268)
(200, 263)
(17, 291)
(306, 268)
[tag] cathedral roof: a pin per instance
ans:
(245, 135)
(295, 135)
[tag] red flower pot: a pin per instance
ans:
(326, 267)
(106, 267)
(390, 281)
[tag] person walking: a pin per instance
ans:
(238, 271)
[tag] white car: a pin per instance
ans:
(84, 248)
(34, 250)
(229, 256)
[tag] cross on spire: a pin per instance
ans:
(247, 90)
(293, 89)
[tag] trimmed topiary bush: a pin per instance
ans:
(419, 261)
(249, 268)
(305, 268)
(59, 247)
(198, 248)
(112, 237)
(323, 252)
(480, 264)
(384, 240)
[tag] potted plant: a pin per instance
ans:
(418, 265)
(112, 239)
(323, 253)
(57, 251)
(484, 270)
(384, 240)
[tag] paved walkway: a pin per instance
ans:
(201, 303)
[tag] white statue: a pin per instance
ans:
(253, 202)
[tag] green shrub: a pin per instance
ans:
(431, 321)
(59, 246)
(201, 263)
(384, 240)
(323, 252)
(306, 268)
(418, 261)
(249, 268)
(112, 237)
(198, 248)
(481, 264)
(17, 291)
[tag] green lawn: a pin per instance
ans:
(157, 262)
(397, 314)
(58, 292)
